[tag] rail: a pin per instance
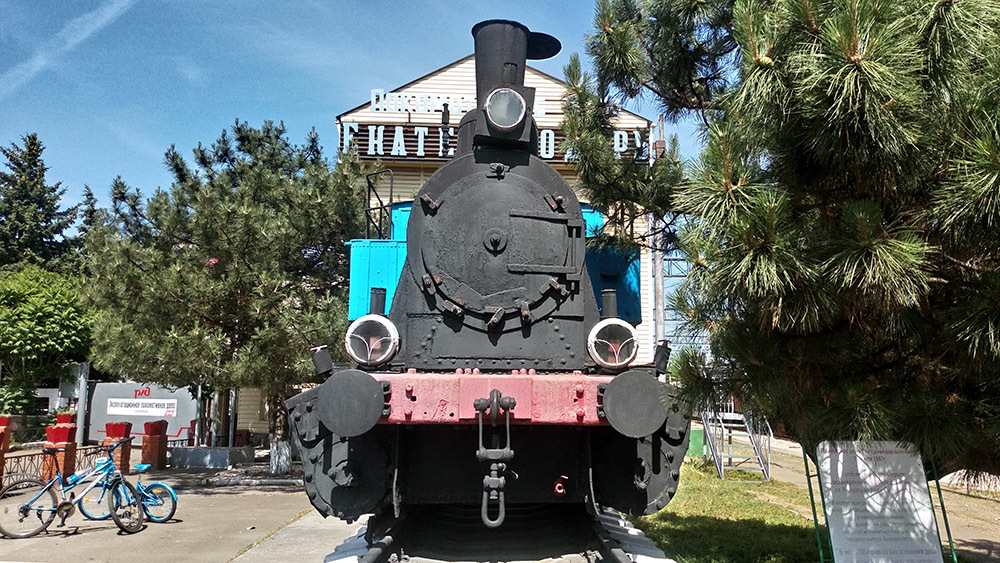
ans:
(381, 223)
(761, 442)
(711, 422)
(32, 463)
(26, 435)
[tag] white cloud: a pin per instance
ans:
(191, 72)
(71, 35)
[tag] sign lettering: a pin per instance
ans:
(408, 142)
(142, 407)
(398, 102)
(878, 506)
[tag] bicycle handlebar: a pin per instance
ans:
(54, 451)
(118, 443)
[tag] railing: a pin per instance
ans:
(720, 425)
(26, 435)
(86, 457)
(381, 223)
(179, 443)
(31, 463)
(761, 442)
(711, 423)
(28, 464)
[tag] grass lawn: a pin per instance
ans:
(715, 521)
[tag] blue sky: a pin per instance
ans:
(109, 85)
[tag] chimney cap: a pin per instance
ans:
(540, 45)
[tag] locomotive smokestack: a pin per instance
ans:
(502, 47)
(609, 304)
(376, 303)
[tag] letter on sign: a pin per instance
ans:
(398, 142)
(621, 142)
(349, 128)
(421, 134)
(375, 135)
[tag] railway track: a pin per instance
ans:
(550, 533)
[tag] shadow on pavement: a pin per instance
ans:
(978, 551)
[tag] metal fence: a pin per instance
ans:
(31, 463)
(26, 435)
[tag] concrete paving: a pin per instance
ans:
(255, 524)
(310, 537)
(211, 525)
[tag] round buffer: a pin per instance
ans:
(350, 402)
(635, 403)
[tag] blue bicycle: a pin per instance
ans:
(29, 505)
(158, 499)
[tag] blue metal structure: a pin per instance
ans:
(378, 263)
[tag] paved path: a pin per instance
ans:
(309, 538)
(211, 525)
(265, 524)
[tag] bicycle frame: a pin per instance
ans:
(63, 487)
(103, 474)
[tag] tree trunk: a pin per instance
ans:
(277, 426)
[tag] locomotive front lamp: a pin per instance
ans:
(505, 109)
(372, 340)
(612, 343)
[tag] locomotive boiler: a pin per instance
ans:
(494, 380)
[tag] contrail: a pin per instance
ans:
(71, 35)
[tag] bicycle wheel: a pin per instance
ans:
(159, 501)
(123, 502)
(26, 508)
(93, 504)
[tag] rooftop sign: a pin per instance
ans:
(421, 142)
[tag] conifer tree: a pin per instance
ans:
(31, 223)
(230, 277)
(844, 244)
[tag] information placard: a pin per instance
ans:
(142, 407)
(878, 506)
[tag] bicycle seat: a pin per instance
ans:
(52, 451)
(140, 467)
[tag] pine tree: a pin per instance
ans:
(31, 223)
(230, 277)
(622, 185)
(844, 243)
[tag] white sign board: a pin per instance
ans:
(143, 407)
(878, 506)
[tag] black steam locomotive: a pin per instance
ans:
(494, 380)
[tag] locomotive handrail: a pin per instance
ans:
(380, 208)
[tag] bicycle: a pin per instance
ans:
(159, 501)
(28, 506)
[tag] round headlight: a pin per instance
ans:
(372, 340)
(505, 109)
(612, 343)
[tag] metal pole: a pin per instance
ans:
(944, 514)
(812, 503)
(658, 301)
